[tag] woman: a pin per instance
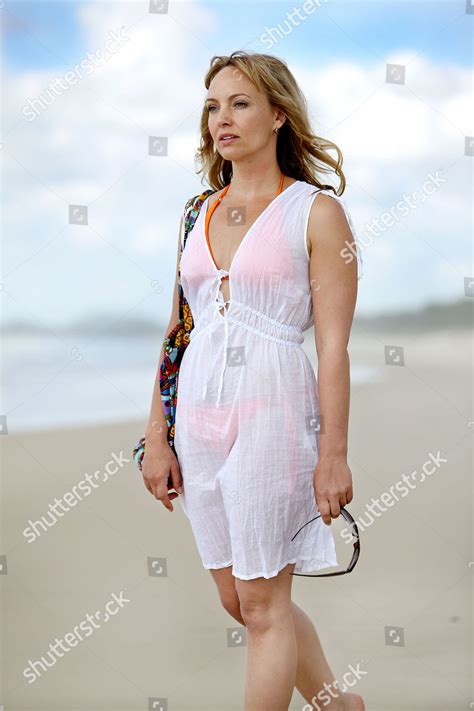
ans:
(261, 445)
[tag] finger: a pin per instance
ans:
(325, 511)
(335, 508)
(176, 478)
(161, 494)
(166, 501)
(342, 500)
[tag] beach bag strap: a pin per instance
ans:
(191, 212)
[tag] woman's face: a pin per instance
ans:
(235, 106)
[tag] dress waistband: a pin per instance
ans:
(251, 319)
(259, 323)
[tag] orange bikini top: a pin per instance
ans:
(210, 211)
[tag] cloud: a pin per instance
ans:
(91, 147)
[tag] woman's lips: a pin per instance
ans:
(228, 140)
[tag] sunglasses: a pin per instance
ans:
(355, 554)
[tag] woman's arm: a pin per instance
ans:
(159, 461)
(157, 429)
(334, 294)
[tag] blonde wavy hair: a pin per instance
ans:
(300, 153)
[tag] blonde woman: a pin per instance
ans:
(272, 252)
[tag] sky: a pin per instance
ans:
(91, 219)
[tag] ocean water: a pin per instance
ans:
(71, 380)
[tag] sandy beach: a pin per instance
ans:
(115, 588)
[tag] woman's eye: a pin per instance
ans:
(237, 103)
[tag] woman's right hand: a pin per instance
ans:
(159, 462)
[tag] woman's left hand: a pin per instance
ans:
(332, 483)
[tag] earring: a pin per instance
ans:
(275, 130)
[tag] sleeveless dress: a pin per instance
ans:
(246, 426)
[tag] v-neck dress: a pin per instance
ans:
(247, 413)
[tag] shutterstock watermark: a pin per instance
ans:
(324, 696)
(62, 645)
(60, 84)
(397, 491)
(294, 17)
(379, 225)
(60, 506)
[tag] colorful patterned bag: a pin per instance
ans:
(175, 342)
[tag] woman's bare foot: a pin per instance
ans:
(347, 702)
(353, 702)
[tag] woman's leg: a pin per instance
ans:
(312, 669)
(265, 606)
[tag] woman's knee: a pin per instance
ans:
(231, 603)
(258, 613)
(263, 601)
(227, 593)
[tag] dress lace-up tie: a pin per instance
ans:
(217, 305)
